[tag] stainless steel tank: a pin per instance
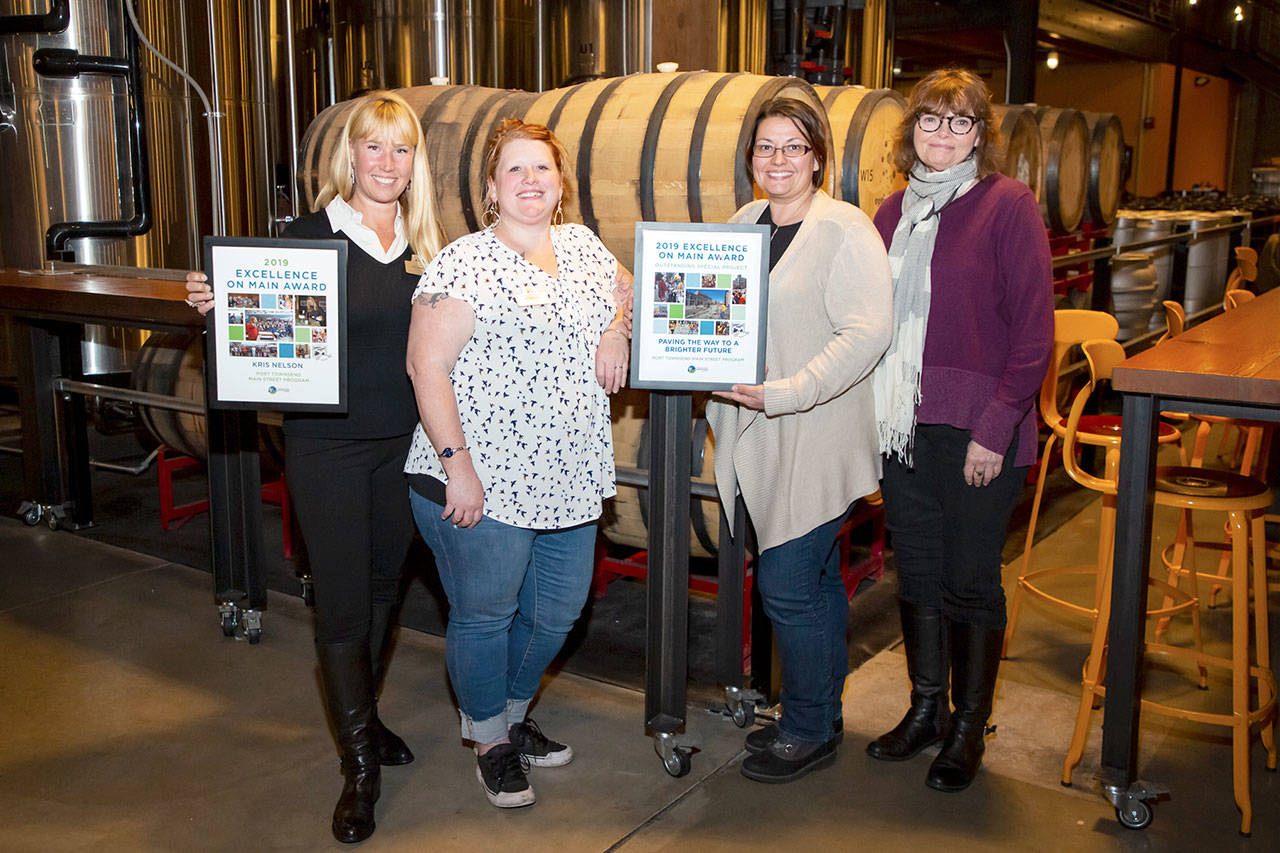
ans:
(397, 43)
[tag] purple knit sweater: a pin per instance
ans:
(990, 330)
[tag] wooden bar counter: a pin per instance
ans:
(49, 311)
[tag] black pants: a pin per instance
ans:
(352, 504)
(948, 535)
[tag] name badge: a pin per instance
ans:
(533, 294)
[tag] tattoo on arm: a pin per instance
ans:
(431, 300)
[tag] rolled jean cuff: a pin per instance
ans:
(491, 730)
(517, 710)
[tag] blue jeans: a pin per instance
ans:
(805, 600)
(514, 593)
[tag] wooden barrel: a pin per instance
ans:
(656, 147)
(660, 147)
(173, 364)
(1066, 167)
(864, 123)
(1021, 154)
(456, 123)
(625, 518)
(1106, 167)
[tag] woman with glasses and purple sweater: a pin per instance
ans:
(973, 328)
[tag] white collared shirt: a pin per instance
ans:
(345, 218)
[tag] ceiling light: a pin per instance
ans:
(1052, 60)
(1239, 13)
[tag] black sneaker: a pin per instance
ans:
(787, 760)
(761, 739)
(538, 749)
(501, 771)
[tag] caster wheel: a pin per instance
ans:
(53, 522)
(743, 715)
(254, 635)
(308, 593)
(228, 624)
(679, 764)
(1135, 814)
(32, 516)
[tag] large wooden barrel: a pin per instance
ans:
(456, 122)
(660, 147)
(864, 123)
(1106, 167)
(625, 518)
(1066, 167)
(1021, 154)
(664, 147)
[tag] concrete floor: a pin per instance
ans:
(127, 722)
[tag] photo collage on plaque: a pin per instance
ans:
(277, 325)
(703, 304)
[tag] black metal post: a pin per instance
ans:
(38, 355)
(1020, 51)
(667, 626)
(1128, 587)
(730, 595)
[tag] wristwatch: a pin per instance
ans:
(448, 452)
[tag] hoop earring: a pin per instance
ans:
(557, 218)
(490, 216)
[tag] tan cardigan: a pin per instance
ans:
(813, 450)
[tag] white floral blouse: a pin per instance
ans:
(535, 419)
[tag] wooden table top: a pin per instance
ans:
(1233, 357)
(96, 298)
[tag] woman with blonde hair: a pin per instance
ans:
(345, 471)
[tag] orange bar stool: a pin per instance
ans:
(1244, 500)
(1071, 327)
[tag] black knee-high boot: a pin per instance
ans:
(392, 750)
(975, 660)
(924, 639)
(348, 687)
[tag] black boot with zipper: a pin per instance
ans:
(975, 661)
(924, 640)
(348, 687)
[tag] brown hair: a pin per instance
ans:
(386, 113)
(510, 130)
(811, 126)
(957, 91)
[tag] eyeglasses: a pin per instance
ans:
(959, 125)
(791, 150)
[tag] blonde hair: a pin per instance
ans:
(383, 113)
(510, 130)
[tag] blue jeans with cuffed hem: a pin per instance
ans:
(804, 597)
(514, 594)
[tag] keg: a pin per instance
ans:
(1207, 259)
(1266, 181)
(1133, 292)
(1106, 167)
(864, 124)
(625, 518)
(1134, 226)
(1066, 166)
(1021, 154)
